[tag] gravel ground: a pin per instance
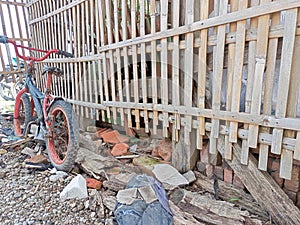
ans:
(27, 196)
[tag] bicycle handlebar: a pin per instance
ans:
(5, 40)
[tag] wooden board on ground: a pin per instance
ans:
(262, 187)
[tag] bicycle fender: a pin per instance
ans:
(55, 100)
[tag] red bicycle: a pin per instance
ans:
(57, 126)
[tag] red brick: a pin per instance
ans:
(237, 182)
(228, 175)
(209, 170)
(291, 195)
(165, 149)
(219, 172)
(120, 149)
(102, 131)
(155, 153)
(277, 179)
(114, 137)
(204, 154)
(273, 165)
(93, 183)
(293, 184)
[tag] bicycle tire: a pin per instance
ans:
(22, 114)
(62, 139)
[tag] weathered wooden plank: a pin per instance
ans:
(217, 77)
(297, 147)
(126, 71)
(118, 53)
(154, 64)
(143, 62)
(229, 80)
(135, 61)
(286, 94)
(202, 71)
(110, 66)
(263, 188)
(175, 69)
(164, 64)
(260, 57)
(188, 69)
(268, 92)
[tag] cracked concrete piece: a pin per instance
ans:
(148, 194)
(127, 196)
(168, 174)
(75, 189)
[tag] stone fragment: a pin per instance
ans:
(168, 174)
(29, 151)
(148, 194)
(58, 175)
(190, 176)
(127, 196)
(93, 183)
(2, 151)
(120, 149)
(38, 159)
(75, 189)
(91, 129)
(165, 149)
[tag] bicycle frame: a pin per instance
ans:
(41, 101)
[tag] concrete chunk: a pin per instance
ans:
(169, 175)
(75, 189)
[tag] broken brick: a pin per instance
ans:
(120, 149)
(93, 183)
(114, 137)
(165, 149)
(228, 175)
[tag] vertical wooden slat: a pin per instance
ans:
(164, 65)
(175, 70)
(188, 70)
(217, 77)
(143, 63)
(111, 71)
(268, 92)
(229, 80)
(261, 52)
(237, 80)
(297, 147)
(153, 64)
(286, 162)
(118, 54)
(134, 63)
(126, 61)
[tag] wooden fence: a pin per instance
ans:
(187, 68)
(14, 24)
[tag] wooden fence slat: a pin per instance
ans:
(135, 61)
(118, 53)
(125, 51)
(217, 78)
(143, 62)
(261, 52)
(286, 162)
(229, 80)
(268, 92)
(189, 69)
(164, 65)
(175, 70)
(297, 147)
(154, 62)
(202, 70)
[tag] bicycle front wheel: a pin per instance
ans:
(62, 138)
(22, 114)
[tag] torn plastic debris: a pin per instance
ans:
(143, 202)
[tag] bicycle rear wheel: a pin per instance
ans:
(22, 114)
(62, 138)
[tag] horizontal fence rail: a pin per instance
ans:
(210, 67)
